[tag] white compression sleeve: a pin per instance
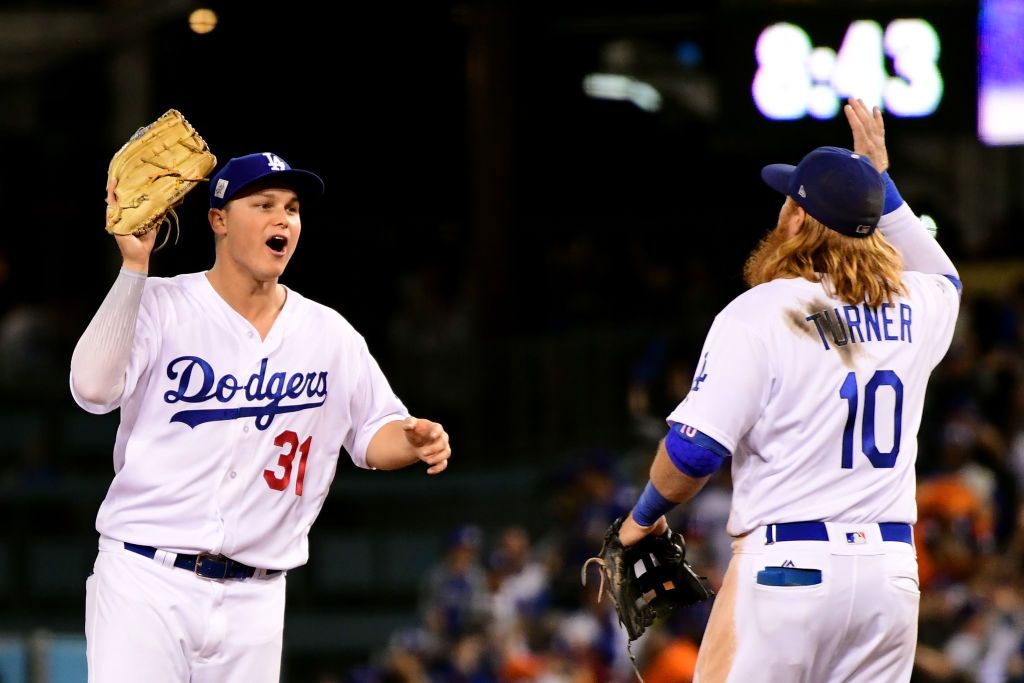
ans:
(920, 251)
(101, 356)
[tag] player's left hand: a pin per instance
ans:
(430, 442)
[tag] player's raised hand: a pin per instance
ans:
(134, 250)
(868, 132)
(430, 441)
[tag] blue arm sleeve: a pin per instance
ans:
(893, 200)
(651, 506)
(694, 453)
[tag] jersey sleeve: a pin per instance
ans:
(143, 350)
(943, 302)
(732, 383)
(919, 250)
(372, 405)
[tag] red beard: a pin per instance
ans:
(754, 269)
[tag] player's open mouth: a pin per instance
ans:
(278, 244)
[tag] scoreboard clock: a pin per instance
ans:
(787, 70)
(795, 78)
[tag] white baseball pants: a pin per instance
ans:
(145, 621)
(856, 622)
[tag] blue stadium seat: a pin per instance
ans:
(65, 660)
(13, 661)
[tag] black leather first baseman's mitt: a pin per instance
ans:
(647, 581)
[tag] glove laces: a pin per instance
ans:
(600, 592)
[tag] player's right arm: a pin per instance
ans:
(730, 389)
(680, 469)
(100, 359)
(900, 226)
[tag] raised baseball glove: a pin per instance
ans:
(152, 173)
(647, 581)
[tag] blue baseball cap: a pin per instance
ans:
(839, 188)
(241, 172)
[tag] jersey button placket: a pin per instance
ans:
(234, 473)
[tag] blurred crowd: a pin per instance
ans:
(510, 606)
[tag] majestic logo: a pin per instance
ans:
(198, 383)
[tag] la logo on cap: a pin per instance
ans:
(275, 162)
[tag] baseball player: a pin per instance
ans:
(814, 382)
(236, 396)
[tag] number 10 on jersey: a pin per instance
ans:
(849, 392)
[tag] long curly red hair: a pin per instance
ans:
(854, 269)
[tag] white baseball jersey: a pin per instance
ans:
(820, 402)
(229, 443)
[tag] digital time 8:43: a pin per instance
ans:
(795, 79)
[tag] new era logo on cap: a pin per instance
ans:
(242, 172)
(839, 188)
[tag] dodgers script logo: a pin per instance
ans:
(198, 383)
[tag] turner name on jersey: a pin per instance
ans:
(863, 323)
(197, 382)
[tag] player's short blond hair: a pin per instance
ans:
(856, 269)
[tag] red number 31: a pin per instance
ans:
(291, 440)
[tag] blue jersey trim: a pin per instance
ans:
(694, 453)
(698, 437)
(956, 283)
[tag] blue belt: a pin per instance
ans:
(817, 531)
(208, 566)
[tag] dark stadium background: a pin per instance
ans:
(533, 267)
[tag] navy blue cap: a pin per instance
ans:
(839, 188)
(241, 172)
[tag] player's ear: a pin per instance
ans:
(795, 218)
(218, 221)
